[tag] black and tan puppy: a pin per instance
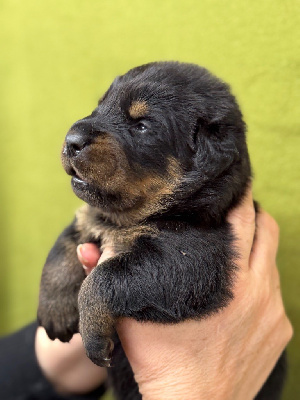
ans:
(160, 162)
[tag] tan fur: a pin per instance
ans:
(138, 109)
(107, 162)
(95, 324)
(120, 239)
(142, 195)
(153, 192)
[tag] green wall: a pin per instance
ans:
(57, 57)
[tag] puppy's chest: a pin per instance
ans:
(120, 240)
(117, 239)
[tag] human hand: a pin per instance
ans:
(89, 255)
(66, 365)
(230, 354)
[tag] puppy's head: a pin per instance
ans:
(163, 137)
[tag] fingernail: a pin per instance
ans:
(80, 254)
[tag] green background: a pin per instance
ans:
(58, 57)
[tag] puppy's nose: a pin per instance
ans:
(75, 142)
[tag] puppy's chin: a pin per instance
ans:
(108, 202)
(90, 193)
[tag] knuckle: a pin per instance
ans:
(271, 222)
(267, 221)
(285, 327)
(275, 228)
(290, 330)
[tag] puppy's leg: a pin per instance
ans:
(60, 283)
(162, 279)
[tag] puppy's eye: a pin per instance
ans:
(141, 127)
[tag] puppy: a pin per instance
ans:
(159, 162)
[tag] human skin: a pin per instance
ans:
(228, 355)
(66, 365)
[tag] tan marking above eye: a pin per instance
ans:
(138, 109)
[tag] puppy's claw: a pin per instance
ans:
(107, 362)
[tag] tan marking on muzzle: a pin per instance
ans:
(155, 194)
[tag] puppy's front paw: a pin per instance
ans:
(59, 318)
(99, 350)
(97, 322)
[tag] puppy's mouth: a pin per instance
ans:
(76, 176)
(85, 189)
(77, 181)
(82, 188)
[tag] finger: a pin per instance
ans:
(88, 255)
(242, 220)
(266, 243)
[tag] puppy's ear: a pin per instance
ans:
(201, 128)
(216, 144)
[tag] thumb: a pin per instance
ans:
(88, 254)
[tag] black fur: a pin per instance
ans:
(160, 161)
